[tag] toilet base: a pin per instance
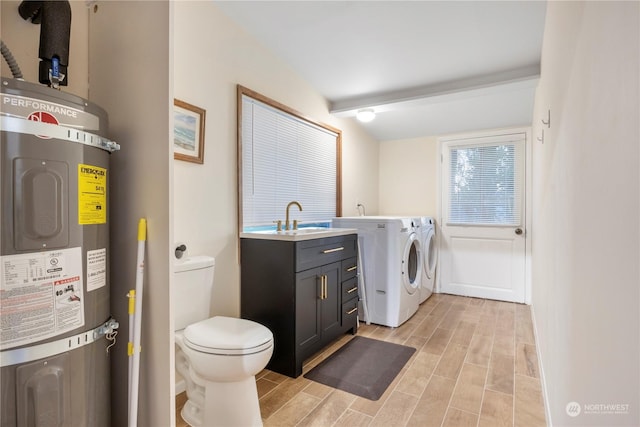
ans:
(233, 404)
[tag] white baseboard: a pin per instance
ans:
(181, 384)
(543, 382)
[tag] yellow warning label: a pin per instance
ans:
(92, 194)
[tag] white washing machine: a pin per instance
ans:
(391, 266)
(429, 256)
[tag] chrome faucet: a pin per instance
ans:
(295, 223)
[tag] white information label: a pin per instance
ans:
(41, 296)
(96, 269)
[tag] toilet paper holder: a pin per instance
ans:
(180, 250)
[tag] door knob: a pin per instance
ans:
(518, 231)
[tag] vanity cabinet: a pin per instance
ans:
(302, 291)
(317, 305)
(349, 290)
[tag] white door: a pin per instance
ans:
(482, 251)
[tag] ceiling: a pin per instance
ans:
(426, 67)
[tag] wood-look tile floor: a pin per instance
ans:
(475, 365)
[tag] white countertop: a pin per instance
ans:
(298, 235)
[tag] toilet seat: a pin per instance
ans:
(228, 336)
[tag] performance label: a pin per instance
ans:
(31, 108)
(41, 296)
(92, 195)
(96, 269)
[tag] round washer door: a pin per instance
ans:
(430, 253)
(412, 264)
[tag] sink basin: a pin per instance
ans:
(306, 230)
(305, 233)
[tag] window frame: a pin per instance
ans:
(244, 91)
(518, 140)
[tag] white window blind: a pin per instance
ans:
(486, 181)
(283, 159)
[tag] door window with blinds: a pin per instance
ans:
(284, 157)
(485, 181)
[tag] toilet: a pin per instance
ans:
(218, 357)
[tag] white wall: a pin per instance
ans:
(131, 78)
(212, 56)
(406, 166)
(586, 211)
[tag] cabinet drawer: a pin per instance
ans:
(349, 289)
(349, 268)
(350, 312)
(316, 252)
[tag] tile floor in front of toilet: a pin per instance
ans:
(475, 365)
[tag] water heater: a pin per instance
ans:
(54, 258)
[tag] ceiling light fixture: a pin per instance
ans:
(366, 115)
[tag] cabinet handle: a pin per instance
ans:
(353, 310)
(323, 286)
(328, 251)
(326, 288)
(355, 288)
(352, 268)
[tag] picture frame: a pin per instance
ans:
(188, 132)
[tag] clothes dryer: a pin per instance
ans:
(430, 256)
(391, 261)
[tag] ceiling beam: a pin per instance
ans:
(509, 80)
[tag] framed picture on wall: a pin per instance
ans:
(188, 132)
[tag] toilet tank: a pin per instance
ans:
(192, 287)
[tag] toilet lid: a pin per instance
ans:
(228, 335)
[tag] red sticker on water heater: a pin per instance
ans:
(44, 117)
